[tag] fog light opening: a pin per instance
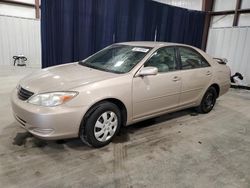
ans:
(43, 131)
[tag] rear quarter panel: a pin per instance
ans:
(222, 77)
(221, 73)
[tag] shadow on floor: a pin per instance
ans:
(20, 138)
(122, 137)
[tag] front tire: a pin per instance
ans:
(101, 124)
(208, 101)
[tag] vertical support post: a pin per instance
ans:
(37, 8)
(236, 14)
(207, 6)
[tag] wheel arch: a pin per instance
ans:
(217, 88)
(115, 101)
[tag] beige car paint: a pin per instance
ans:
(193, 83)
(152, 94)
(143, 97)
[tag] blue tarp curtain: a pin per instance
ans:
(73, 30)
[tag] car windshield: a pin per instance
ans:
(116, 58)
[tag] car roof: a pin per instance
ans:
(158, 44)
(152, 44)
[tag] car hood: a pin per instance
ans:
(63, 77)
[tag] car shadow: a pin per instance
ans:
(125, 132)
(123, 136)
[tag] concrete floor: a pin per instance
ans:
(175, 150)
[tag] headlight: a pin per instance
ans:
(52, 99)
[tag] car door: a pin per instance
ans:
(157, 93)
(196, 74)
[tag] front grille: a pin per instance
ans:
(24, 94)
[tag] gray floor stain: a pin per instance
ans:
(20, 138)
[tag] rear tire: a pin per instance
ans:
(208, 101)
(100, 124)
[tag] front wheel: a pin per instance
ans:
(208, 101)
(101, 125)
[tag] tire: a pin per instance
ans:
(100, 124)
(208, 101)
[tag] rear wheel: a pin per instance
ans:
(208, 101)
(101, 124)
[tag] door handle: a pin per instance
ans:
(208, 73)
(176, 78)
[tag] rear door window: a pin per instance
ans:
(190, 59)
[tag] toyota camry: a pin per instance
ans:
(122, 84)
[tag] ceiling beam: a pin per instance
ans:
(224, 12)
(244, 10)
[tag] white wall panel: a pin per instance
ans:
(245, 4)
(20, 36)
(234, 45)
(16, 10)
(27, 1)
(222, 21)
(244, 19)
(220, 5)
(189, 4)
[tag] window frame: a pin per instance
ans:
(175, 57)
(193, 50)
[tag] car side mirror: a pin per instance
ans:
(146, 71)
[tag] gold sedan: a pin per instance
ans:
(118, 86)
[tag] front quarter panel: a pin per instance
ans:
(118, 88)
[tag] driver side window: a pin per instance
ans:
(163, 59)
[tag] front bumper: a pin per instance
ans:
(49, 123)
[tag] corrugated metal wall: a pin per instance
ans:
(234, 45)
(20, 36)
(189, 4)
